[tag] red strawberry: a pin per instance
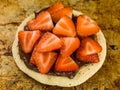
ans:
(42, 22)
(65, 64)
(65, 27)
(69, 46)
(89, 46)
(49, 42)
(33, 53)
(27, 39)
(55, 7)
(31, 22)
(86, 26)
(32, 61)
(60, 13)
(93, 58)
(44, 61)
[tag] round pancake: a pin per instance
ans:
(84, 73)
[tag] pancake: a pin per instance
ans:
(84, 73)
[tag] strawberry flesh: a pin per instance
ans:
(44, 61)
(56, 16)
(86, 26)
(49, 42)
(55, 7)
(65, 27)
(93, 58)
(69, 46)
(42, 22)
(89, 46)
(27, 39)
(66, 64)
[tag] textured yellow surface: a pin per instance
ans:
(105, 12)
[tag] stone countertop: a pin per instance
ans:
(105, 12)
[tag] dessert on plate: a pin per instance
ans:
(59, 46)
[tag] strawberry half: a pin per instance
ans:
(32, 61)
(86, 26)
(42, 22)
(93, 58)
(44, 61)
(65, 27)
(70, 44)
(89, 46)
(60, 13)
(49, 42)
(27, 39)
(55, 7)
(66, 64)
(33, 53)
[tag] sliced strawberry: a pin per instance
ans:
(62, 12)
(49, 42)
(56, 6)
(44, 61)
(65, 27)
(42, 22)
(86, 26)
(89, 46)
(32, 61)
(69, 46)
(31, 22)
(27, 39)
(33, 53)
(93, 58)
(65, 64)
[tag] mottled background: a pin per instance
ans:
(105, 12)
